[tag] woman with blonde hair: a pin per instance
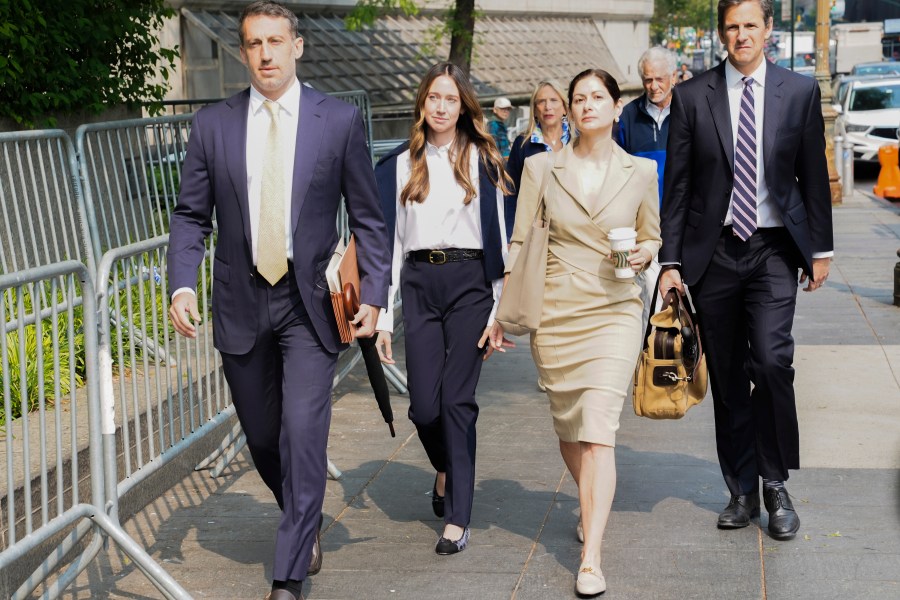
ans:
(442, 197)
(549, 132)
(589, 336)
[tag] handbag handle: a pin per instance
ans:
(690, 332)
(545, 181)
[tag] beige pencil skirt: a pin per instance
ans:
(586, 349)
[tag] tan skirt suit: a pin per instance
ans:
(590, 335)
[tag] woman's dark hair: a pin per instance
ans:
(609, 82)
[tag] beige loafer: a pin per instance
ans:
(590, 582)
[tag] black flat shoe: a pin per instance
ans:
(783, 520)
(445, 546)
(437, 502)
(739, 511)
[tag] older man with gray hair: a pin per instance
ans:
(644, 131)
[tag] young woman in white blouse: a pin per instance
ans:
(442, 196)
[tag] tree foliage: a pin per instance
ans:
(674, 14)
(458, 22)
(57, 57)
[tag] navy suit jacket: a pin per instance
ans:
(331, 161)
(700, 163)
(492, 244)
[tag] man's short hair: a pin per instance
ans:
(270, 9)
(767, 6)
(658, 54)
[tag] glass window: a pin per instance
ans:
(875, 98)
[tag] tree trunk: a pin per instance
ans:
(461, 23)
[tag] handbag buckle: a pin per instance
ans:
(437, 257)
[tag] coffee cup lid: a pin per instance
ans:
(622, 233)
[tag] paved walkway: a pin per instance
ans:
(215, 535)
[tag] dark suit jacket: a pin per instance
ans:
(700, 163)
(386, 175)
(332, 160)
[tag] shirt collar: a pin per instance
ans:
(442, 151)
(289, 102)
(733, 77)
(537, 137)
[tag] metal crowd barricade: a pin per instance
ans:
(45, 498)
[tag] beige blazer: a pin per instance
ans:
(580, 226)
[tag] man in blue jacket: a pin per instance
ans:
(644, 131)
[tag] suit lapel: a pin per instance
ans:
(717, 97)
(772, 114)
(234, 135)
(619, 171)
(568, 178)
(310, 132)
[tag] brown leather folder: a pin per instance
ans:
(343, 284)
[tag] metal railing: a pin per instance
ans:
(44, 499)
(144, 395)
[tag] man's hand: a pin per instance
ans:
(383, 346)
(365, 320)
(668, 279)
(821, 267)
(182, 310)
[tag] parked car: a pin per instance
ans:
(869, 116)
(876, 68)
(802, 65)
(841, 84)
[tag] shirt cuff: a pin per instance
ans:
(497, 289)
(823, 254)
(184, 289)
(385, 321)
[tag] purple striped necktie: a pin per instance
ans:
(743, 203)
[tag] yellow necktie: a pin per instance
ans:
(271, 254)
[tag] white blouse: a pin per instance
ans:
(443, 220)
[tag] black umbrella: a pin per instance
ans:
(377, 379)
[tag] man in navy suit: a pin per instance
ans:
(273, 162)
(746, 207)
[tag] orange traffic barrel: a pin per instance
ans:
(888, 185)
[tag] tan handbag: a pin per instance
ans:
(671, 373)
(522, 301)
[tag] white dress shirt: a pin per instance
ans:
(766, 211)
(767, 214)
(258, 120)
(441, 221)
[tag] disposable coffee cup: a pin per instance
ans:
(622, 240)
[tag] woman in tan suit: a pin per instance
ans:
(590, 335)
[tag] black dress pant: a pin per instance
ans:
(282, 395)
(445, 312)
(745, 304)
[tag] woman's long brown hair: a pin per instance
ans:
(469, 130)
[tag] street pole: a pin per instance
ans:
(823, 76)
(712, 28)
(793, 20)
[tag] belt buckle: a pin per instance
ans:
(437, 257)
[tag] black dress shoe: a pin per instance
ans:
(282, 595)
(445, 546)
(437, 502)
(315, 558)
(739, 511)
(783, 520)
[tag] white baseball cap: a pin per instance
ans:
(502, 102)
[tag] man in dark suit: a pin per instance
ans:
(747, 206)
(273, 162)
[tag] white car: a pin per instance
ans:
(869, 115)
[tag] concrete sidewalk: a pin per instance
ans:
(215, 536)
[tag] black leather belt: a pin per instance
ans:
(439, 257)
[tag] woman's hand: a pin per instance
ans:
(494, 336)
(639, 258)
(383, 346)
